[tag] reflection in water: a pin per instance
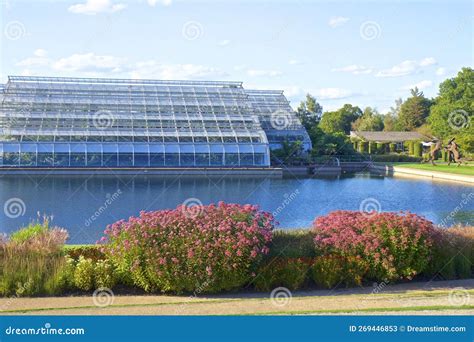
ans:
(85, 205)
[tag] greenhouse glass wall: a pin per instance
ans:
(77, 122)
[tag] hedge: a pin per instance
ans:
(395, 158)
(417, 149)
(363, 147)
(381, 148)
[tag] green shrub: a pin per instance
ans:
(84, 274)
(372, 147)
(286, 272)
(410, 146)
(87, 251)
(330, 270)
(67, 273)
(294, 243)
(381, 148)
(453, 254)
(417, 149)
(392, 147)
(395, 158)
(30, 264)
(444, 155)
(104, 274)
(363, 146)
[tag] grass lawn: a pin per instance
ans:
(434, 297)
(461, 170)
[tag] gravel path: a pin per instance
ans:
(440, 297)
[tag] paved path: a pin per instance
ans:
(440, 297)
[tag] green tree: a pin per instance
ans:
(288, 153)
(453, 109)
(390, 120)
(340, 121)
(309, 112)
(371, 120)
(414, 111)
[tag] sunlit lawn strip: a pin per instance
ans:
(394, 309)
(461, 170)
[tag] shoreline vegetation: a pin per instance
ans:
(230, 248)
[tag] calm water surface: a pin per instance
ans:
(85, 205)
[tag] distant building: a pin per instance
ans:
(398, 138)
(86, 122)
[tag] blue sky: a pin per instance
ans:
(367, 53)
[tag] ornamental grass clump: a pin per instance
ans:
(31, 260)
(393, 245)
(205, 248)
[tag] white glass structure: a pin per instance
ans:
(81, 122)
(278, 119)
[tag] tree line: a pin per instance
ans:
(446, 116)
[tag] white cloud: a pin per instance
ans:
(420, 85)
(40, 53)
(92, 7)
(224, 42)
(337, 21)
(89, 62)
(407, 67)
(263, 73)
(440, 71)
(153, 3)
(354, 69)
(240, 67)
(154, 69)
(38, 60)
(294, 62)
(427, 61)
(333, 93)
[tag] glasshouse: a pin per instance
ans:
(84, 122)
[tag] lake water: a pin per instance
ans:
(85, 205)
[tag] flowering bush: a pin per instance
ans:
(394, 245)
(209, 248)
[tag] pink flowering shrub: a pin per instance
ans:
(202, 248)
(393, 245)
